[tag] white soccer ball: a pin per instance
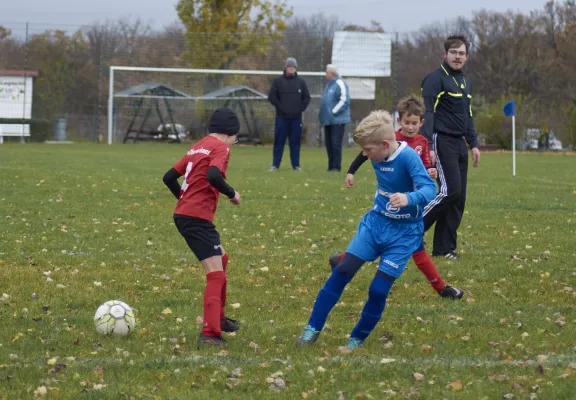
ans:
(114, 317)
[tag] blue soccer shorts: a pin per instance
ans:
(394, 242)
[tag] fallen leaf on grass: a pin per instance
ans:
(40, 392)
(18, 336)
(427, 349)
(166, 311)
(456, 385)
(387, 360)
(418, 376)
(278, 385)
(498, 378)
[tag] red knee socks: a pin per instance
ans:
(215, 282)
(223, 293)
(426, 265)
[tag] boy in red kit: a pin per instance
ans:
(411, 112)
(204, 170)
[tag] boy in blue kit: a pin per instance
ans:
(391, 230)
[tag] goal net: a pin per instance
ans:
(174, 104)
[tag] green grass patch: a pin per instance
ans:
(74, 217)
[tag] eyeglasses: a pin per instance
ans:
(236, 141)
(457, 53)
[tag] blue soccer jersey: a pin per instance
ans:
(403, 172)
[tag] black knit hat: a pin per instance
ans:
(225, 121)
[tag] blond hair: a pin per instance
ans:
(411, 105)
(375, 128)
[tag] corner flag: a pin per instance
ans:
(509, 111)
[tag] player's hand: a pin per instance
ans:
(349, 180)
(236, 199)
(432, 157)
(399, 200)
(476, 156)
(433, 173)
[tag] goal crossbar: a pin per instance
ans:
(114, 68)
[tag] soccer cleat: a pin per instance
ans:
(334, 260)
(211, 341)
(229, 325)
(449, 292)
(308, 337)
(297, 169)
(354, 343)
(272, 169)
(448, 256)
(452, 256)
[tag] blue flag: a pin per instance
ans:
(509, 109)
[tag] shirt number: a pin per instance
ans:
(185, 183)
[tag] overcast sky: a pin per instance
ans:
(394, 15)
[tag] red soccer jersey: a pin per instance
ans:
(198, 198)
(420, 144)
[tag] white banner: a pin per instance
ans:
(361, 88)
(15, 102)
(362, 54)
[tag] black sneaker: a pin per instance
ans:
(449, 292)
(211, 341)
(334, 260)
(448, 256)
(229, 325)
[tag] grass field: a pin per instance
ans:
(82, 224)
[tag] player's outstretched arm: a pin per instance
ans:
(171, 181)
(216, 179)
(357, 163)
(425, 187)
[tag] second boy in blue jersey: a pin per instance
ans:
(391, 230)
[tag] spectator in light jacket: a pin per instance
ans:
(334, 115)
(289, 95)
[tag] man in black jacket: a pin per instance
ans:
(289, 95)
(448, 125)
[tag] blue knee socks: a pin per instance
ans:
(327, 299)
(373, 309)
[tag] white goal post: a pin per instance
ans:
(113, 69)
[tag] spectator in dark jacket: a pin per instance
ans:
(289, 95)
